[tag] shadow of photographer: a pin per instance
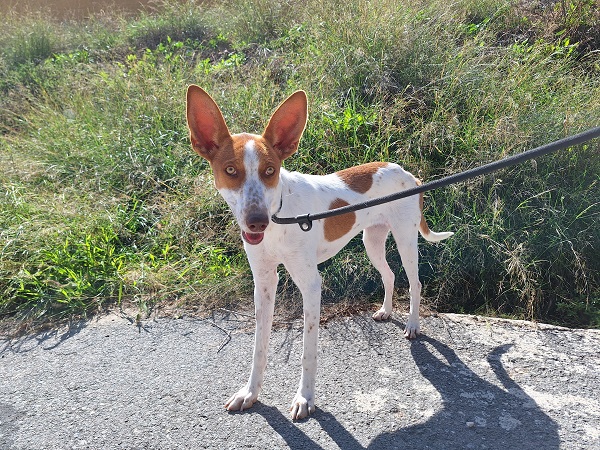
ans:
(475, 413)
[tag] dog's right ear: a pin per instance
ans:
(206, 123)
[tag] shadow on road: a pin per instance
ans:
(295, 438)
(475, 412)
(48, 339)
(9, 418)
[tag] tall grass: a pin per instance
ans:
(104, 203)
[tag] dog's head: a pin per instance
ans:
(246, 166)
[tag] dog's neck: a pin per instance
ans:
(285, 190)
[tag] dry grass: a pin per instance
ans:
(104, 204)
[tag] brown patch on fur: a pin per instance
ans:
(360, 178)
(337, 226)
(269, 157)
(229, 154)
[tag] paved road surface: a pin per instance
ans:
(467, 383)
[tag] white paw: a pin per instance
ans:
(412, 329)
(381, 315)
(302, 406)
(241, 400)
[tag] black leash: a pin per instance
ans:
(305, 220)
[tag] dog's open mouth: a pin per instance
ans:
(253, 238)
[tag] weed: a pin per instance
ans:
(103, 202)
(77, 275)
(31, 47)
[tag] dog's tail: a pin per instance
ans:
(429, 235)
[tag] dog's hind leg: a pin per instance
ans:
(374, 239)
(406, 240)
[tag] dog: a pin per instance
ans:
(248, 173)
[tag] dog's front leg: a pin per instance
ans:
(308, 280)
(265, 287)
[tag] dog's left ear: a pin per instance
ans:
(287, 124)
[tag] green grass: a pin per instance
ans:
(103, 203)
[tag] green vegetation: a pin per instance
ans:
(102, 201)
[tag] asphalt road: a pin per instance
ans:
(466, 383)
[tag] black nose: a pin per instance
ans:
(257, 223)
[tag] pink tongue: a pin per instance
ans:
(253, 238)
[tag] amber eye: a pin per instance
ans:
(230, 170)
(270, 171)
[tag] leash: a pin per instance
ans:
(305, 220)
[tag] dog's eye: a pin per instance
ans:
(230, 170)
(270, 171)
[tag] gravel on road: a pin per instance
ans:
(467, 382)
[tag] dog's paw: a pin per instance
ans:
(412, 329)
(241, 400)
(302, 406)
(381, 315)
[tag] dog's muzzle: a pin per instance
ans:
(257, 224)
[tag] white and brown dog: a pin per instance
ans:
(248, 174)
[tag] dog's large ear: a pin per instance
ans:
(205, 120)
(287, 124)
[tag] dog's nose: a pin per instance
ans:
(257, 223)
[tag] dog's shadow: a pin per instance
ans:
(475, 413)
